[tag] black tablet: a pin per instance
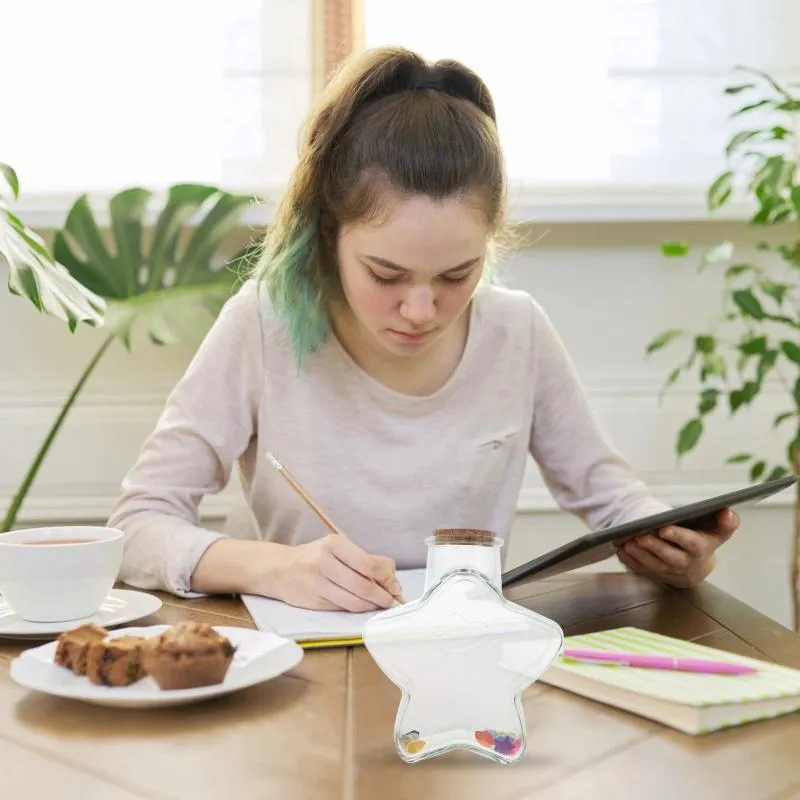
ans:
(599, 545)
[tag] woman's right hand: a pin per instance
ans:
(334, 573)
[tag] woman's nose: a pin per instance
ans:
(419, 307)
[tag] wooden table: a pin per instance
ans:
(324, 730)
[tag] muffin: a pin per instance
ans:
(116, 662)
(188, 655)
(73, 646)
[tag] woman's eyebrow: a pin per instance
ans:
(383, 262)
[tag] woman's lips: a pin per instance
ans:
(411, 337)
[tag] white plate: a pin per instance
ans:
(121, 606)
(260, 656)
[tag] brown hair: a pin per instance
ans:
(388, 119)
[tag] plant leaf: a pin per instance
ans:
(736, 270)
(215, 226)
(767, 77)
(773, 209)
(781, 418)
(780, 133)
(689, 436)
(170, 315)
(740, 88)
(708, 401)
(777, 291)
(795, 195)
(791, 350)
(663, 339)
(96, 270)
(754, 346)
(10, 176)
(183, 201)
(766, 363)
(738, 139)
(792, 451)
(127, 209)
(757, 470)
(671, 379)
(173, 295)
(704, 344)
(776, 473)
(674, 249)
(739, 458)
(775, 175)
(789, 105)
(741, 363)
(750, 107)
(739, 397)
(748, 304)
(713, 364)
(36, 275)
(720, 190)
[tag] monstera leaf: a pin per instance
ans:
(174, 282)
(35, 274)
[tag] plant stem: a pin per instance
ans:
(796, 547)
(11, 514)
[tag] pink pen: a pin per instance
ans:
(657, 662)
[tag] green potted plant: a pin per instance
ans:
(163, 268)
(755, 338)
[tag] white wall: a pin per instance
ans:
(608, 291)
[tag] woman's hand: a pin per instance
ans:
(333, 573)
(678, 556)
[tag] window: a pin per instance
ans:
(617, 103)
(99, 95)
(607, 95)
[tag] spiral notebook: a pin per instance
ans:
(322, 628)
(690, 702)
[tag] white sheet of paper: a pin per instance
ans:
(302, 624)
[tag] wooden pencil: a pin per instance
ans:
(311, 504)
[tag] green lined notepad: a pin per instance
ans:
(690, 702)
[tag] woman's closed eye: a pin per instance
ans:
(382, 280)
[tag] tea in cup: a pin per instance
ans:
(59, 573)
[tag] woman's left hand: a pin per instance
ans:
(678, 556)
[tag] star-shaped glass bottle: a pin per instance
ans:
(462, 654)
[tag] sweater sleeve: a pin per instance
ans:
(207, 423)
(580, 467)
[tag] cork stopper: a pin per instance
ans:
(469, 536)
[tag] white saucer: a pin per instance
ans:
(260, 656)
(121, 606)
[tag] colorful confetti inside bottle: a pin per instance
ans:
(462, 654)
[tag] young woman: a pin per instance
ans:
(372, 353)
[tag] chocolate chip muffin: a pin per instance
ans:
(188, 655)
(73, 646)
(116, 662)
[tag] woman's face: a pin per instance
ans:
(409, 277)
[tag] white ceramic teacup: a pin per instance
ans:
(58, 574)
